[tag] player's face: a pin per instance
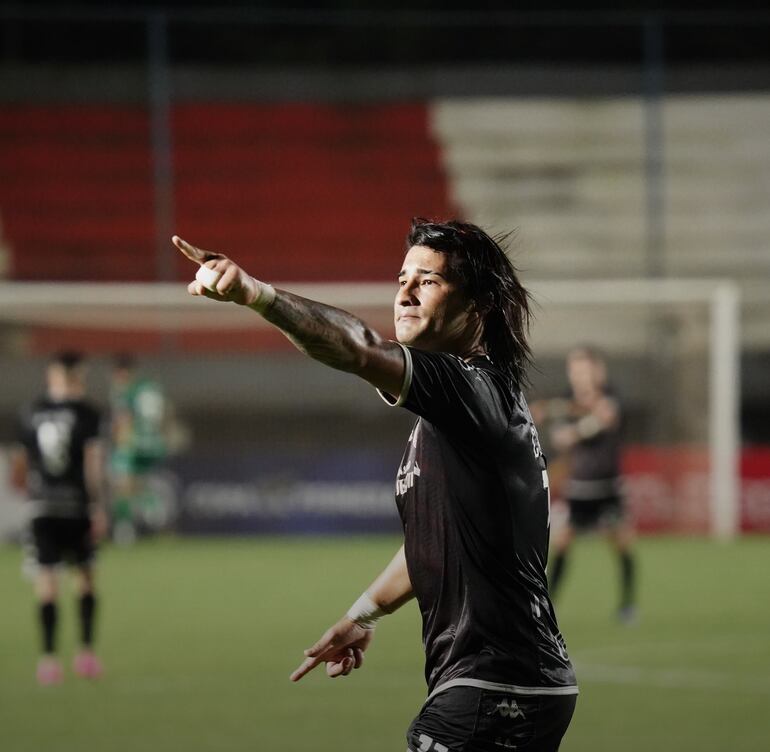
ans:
(121, 376)
(583, 373)
(430, 310)
(66, 382)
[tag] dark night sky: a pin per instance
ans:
(356, 33)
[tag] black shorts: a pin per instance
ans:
(589, 514)
(55, 540)
(471, 719)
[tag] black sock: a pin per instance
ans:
(627, 579)
(557, 571)
(87, 611)
(47, 616)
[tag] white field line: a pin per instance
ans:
(730, 644)
(592, 664)
(668, 678)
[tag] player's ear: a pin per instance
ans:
(482, 305)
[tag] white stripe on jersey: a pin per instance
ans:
(510, 688)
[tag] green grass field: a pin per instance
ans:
(199, 637)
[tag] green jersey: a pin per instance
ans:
(139, 415)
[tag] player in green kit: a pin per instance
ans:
(138, 423)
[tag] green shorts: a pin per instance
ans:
(134, 463)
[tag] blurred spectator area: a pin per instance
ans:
(295, 191)
(571, 174)
(617, 143)
(324, 191)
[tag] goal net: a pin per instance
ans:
(673, 350)
(247, 398)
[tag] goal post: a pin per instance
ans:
(724, 412)
(722, 300)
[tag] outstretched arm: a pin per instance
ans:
(342, 646)
(327, 334)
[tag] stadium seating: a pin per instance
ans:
(571, 174)
(311, 192)
(76, 198)
(293, 188)
(308, 192)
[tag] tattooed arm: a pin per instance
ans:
(338, 339)
(327, 334)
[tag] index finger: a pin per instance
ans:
(305, 668)
(198, 255)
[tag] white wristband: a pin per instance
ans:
(365, 612)
(265, 296)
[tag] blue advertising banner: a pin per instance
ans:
(330, 492)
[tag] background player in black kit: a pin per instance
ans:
(472, 489)
(587, 428)
(60, 459)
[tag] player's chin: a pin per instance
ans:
(408, 332)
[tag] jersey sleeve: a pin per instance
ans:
(453, 395)
(92, 423)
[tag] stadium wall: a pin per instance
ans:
(350, 489)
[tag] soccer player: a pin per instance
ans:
(138, 414)
(472, 489)
(60, 460)
(587, 429)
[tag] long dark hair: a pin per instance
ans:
(479, 264)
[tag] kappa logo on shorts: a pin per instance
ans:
(509, 709)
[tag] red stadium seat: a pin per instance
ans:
(293, 191)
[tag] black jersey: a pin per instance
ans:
(595, 464)
(472, 492)
(54, 435)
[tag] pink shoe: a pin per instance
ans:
(87, 665)
(49, 671)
